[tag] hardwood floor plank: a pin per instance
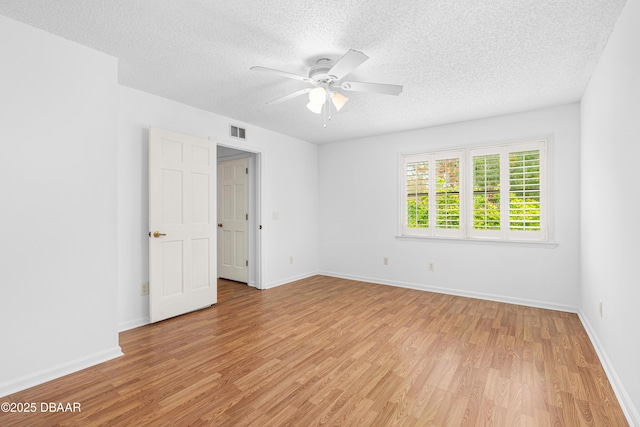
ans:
(332, 351)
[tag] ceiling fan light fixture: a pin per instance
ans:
(318, 96)
(315, 107)
(338, 100)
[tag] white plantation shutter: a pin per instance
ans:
(495, 192)
(447, 201)
(527, 192)
(417, 193)
(485, 176)
(524, 190)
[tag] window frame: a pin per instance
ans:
(432, 230)
(466, 230)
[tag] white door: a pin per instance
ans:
(233, 219)
(182, 236)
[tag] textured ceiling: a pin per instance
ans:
(457, 60)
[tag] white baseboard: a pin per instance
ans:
(629, 409)
(131, 324)
(457, 292)
(37, 378)
(289, 280)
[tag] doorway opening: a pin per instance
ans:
(238, 194)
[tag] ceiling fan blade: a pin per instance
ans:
(372, 88)
(347, 64)
(282, 73)
(290, 96)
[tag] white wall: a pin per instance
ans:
(610, 202)
(359, 215)
(289, 187)
(58, 130)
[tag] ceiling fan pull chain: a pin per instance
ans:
(326, 105)
(325, 116)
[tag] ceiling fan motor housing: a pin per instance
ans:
(319, 73)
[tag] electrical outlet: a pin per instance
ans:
(431, 266)
(600, 308)
(385, 261)
(144, 289)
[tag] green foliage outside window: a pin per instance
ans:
(418, 212)
(525, 213)
(486, 211)
(447, 204)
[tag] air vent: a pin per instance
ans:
(237, 132)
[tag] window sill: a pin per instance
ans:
(478, 241)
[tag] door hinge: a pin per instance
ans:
(246, 171)
(246, 263)
(246, 216)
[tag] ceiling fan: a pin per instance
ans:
(325, 77)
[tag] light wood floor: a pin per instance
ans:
(338, 352)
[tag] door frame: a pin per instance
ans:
(254, 250)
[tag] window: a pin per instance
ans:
(448, 193)
(417, 190)
(496, 192)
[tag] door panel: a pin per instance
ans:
(200, 260)
(232, 215)
(183, 256)
(172, 261)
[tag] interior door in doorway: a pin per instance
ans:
(233, 218)
(182, 227)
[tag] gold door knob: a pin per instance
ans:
(220, 225)
(157, 234)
